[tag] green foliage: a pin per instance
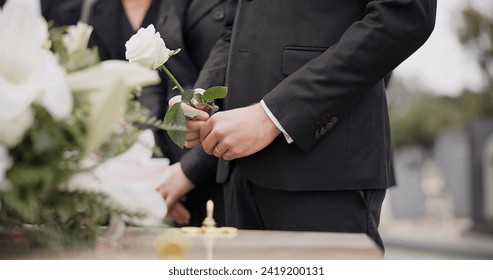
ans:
(477, 34)
(422, 119)
(176, 116)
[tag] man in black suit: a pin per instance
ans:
(313, 152)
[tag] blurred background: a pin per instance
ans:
(441, 104)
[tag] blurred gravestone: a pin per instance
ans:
(452, 156)
(488, 178)
(407, 199)
(480, 133)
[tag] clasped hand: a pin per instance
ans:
(229, 134)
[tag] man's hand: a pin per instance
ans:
(200, 113)
(238, 133)
(176, 186)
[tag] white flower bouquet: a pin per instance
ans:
(70, 157)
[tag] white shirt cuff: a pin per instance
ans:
(276, 122)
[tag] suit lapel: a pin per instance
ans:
(197, 9)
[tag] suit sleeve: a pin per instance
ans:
(367, 51)
(214, 71)
(197, 165)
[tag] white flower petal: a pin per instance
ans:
(77, 37)
(51, 88)
(130, 180)
(5, 164)
(16, 115)
(108, 84)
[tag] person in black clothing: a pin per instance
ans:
(61, 12)
(192, 25)
(303, 138)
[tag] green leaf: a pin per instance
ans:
(216, 92)
(198, 98)
(187, 96)
(176, 116)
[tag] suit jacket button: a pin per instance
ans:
(323, 131)
(218, 15)
(317, 134)
(329, 125)
(333, 120)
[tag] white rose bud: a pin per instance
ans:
(147, 48)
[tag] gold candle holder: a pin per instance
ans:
(209, 226)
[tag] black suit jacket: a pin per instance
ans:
(319, 67)
(61, 12)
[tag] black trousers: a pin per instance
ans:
(249, 206)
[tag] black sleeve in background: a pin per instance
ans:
(198, 166)
(61, 12)
(214, 71)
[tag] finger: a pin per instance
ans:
(170, 200)
(218, 152)
(201, 106)
(173, 216)
(195, 126)
(179, 214)
(206, 129)
(197, 114)
(204, 107)
(182, 212)
(209, 143)
(191, 144)
(228, 156)
(191, 136)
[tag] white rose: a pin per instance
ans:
(5, 164)
(130, 180)
(147, 48)
(77, 37)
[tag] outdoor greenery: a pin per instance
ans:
(420, 120)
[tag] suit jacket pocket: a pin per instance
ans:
(294, 57)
